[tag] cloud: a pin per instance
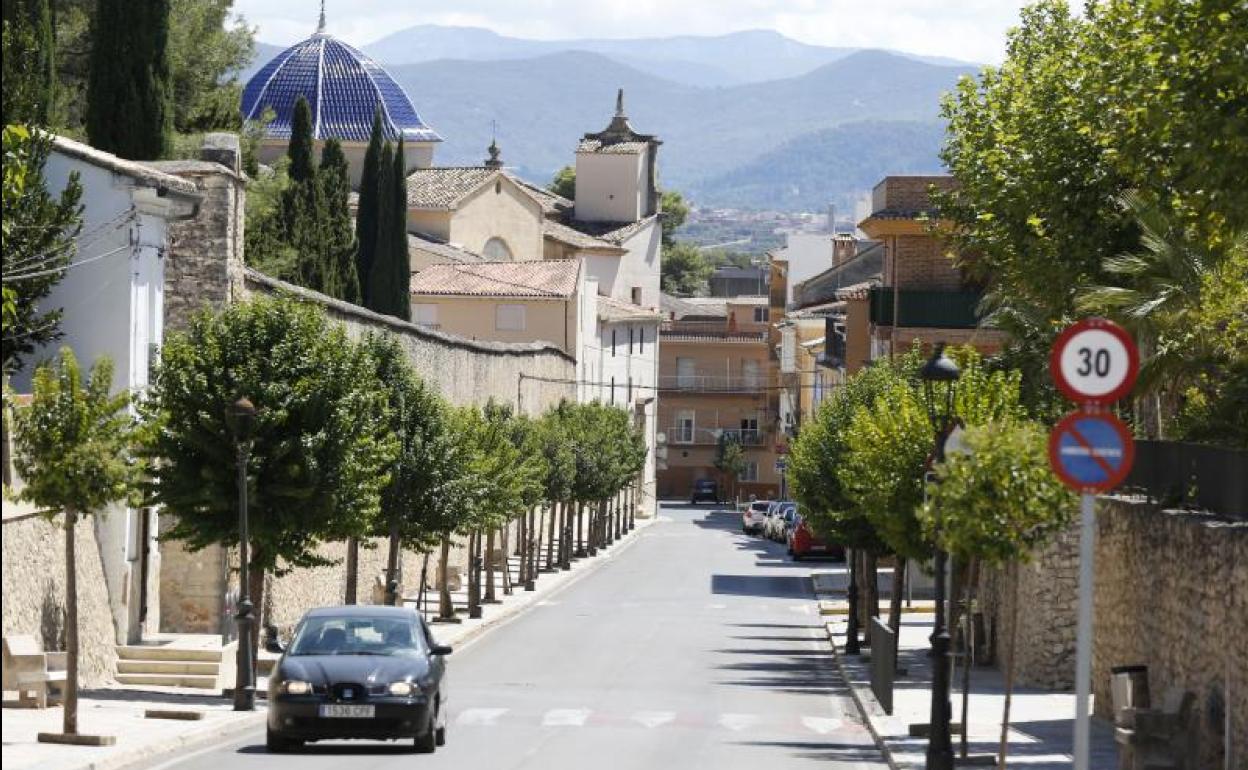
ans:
(961, 29)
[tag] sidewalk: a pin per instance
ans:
(1041, 722)
(119, 711)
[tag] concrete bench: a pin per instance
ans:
(36, 676)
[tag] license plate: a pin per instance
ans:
(818, 548)
(337, 711)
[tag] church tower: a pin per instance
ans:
(616, 173)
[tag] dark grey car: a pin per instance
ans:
(358, 672)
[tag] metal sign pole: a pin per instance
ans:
(1083, 639)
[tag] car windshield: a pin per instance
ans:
(761, 505)
(355, 635)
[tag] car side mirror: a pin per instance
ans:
(441, 649)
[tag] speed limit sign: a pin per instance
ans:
(1094, 362)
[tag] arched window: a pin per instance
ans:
(496, 250)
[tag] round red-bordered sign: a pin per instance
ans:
(1091, 451)
(1094, 361)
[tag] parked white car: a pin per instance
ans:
(754, 517)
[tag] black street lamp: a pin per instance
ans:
(940, 376)
(240, 416)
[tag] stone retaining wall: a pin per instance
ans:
(1171, 594)
(34, 591)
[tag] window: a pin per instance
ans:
(613, 390)
(636, 295)
(760, 315)
(509, 318)
(613, 343)
(497, 250)
(749, 431)
(685, 426)
(685, 368)
(629, 399)
(749, 472)
(641, 340)
(425, 314)
(750, 373)
(630, 340)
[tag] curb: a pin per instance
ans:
(226, 729)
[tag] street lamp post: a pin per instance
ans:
(240, 416)
(940, 376)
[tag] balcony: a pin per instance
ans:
(926, 309)
(706, 383)
(685, 435)
(714, 330)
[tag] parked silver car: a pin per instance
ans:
(754, 517)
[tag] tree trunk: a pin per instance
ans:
(968, 582)
(70, 700)
(1011, 647)
(353, 568)
(894, 605)
(490, 570)
(392, 564)
(580, 530)
(424, 583)
(474, 574)
(446, 610)
(873, 585)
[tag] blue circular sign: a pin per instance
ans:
(1091, 452)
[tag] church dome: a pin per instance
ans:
(343, 87)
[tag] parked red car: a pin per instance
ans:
(804, 542)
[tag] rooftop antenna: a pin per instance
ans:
(320, 26)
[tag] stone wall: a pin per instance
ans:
(34, 590)
(1171, 594)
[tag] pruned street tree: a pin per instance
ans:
(73, 451)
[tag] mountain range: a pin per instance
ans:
(751, 119)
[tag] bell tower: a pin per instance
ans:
(616, 172)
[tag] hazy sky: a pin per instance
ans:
(971, 30)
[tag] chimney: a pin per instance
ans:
(222, 148)
(844, 248)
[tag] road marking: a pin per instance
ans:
(737, 722)
(479, 717)
(801, 609)
(565, 718)
(545, 603)
(654, 718)
(821, 725)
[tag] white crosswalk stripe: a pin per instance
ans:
(654, 718)
(479, 717)
(821, 725)
(737, 722)
(565, 717)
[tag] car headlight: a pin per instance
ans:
(402, 688)
(296, 687)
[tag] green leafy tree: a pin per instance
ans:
(207, 50)
(267, 248)
(29, 63)
(334, 177)
(684, 270)
(675, 212)
(38, 243)
(73, 452)
(564, 183)
(129, 91)
(997, 503)
(729, 460)
(390, 284)
(366, 212)
(320, 447)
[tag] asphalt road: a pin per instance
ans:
(694, 647)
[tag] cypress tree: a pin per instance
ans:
(366, 212)
(378, 293)
(300, 148)
(30, 71)
(334, 175)
(400, 279)
(129, 92)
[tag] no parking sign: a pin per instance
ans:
(1091, 452)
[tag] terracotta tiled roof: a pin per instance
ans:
(615, 310)
(894, 213)
(613, 232)
(556, 278)
(856, 291)
(613, 148)
(443, 188)
(560, 232)
(551, 203)
(447, 251)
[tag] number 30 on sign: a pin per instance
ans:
(1094, 362)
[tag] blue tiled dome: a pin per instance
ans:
(343, 88)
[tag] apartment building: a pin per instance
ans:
(716, 380)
